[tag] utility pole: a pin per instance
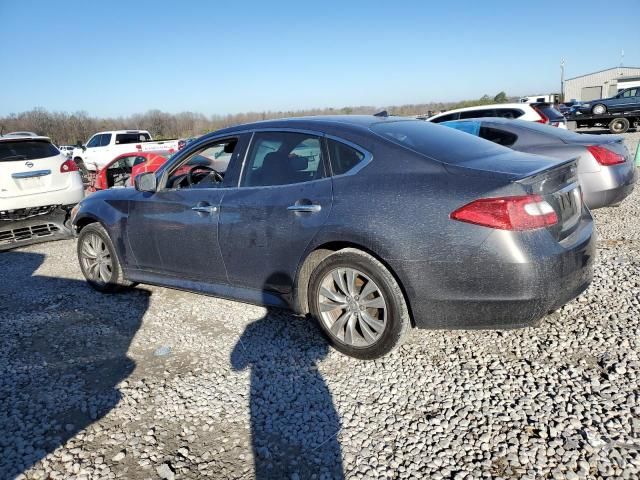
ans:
(562, 80)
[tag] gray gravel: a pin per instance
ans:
(156, 383)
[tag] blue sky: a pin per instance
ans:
(116, 58)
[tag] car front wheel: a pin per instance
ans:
(358, 304)
(98, 260)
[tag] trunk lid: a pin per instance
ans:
(559, 186)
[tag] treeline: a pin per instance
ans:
(68, 128)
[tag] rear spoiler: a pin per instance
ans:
(534, 176)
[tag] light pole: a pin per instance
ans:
(562, 80)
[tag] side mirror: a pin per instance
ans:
(84, 148)
(146, 182)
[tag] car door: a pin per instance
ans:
(284, 198)
(174, 231)
(625, 100)
(90, 149)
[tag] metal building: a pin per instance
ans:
(602, 84)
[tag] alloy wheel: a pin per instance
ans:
(96, 259)
(352, 307)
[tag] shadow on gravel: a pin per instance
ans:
(63, 350)
(294, 424)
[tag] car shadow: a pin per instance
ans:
(64, 351)
(294, 424)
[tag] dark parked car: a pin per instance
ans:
(605, 166)
(625, 101)
(370, 224)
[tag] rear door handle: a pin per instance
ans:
(204, 209)
(304, 208)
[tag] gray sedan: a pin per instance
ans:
(370, 225)
(605, 166)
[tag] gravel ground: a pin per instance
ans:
(156, 383)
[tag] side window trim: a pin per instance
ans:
(325, 159)
(368, 157)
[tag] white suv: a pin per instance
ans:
(38, 187)
(540, 113)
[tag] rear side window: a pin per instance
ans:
(126, 138)
(343, 157)
(485, 112)
(495, 135)
(509, 112)
(283, 158)
(105, 140)
(444, 144)
(26, 150)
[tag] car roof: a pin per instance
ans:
(121, 131)
(319, 123)
(15, 137)
(484, 107)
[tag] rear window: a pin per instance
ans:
(26, 150)
(124, 138)
(441, 143)
(550, 112)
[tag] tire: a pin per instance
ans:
(108, 276)
(619, 125)
(364, 332)
(599, 109)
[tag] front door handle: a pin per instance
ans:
(304, 208)
(204, 209)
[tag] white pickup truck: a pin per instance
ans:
(103, 147)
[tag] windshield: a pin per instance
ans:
(26, 150)
(441, 143)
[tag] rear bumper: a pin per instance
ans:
(67, 196)
(41, 228)
(512, 281)
(608, 187)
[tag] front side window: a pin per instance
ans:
(204, 168)
(94, 142)
(283, 158)
(343, 157)
(105, 140)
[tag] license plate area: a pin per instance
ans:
(569, 206)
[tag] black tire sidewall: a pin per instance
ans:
(388, 287)
(623, 121)
(112, 285)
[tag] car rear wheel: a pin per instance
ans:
(619, 125)
(358, 304)
(98, 260)
(599, 109)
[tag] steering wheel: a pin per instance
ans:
(216, 175)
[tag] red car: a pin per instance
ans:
(121, 171)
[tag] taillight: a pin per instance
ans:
(524, 212)
(604, 156)
(543, 118)
(68, 166)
